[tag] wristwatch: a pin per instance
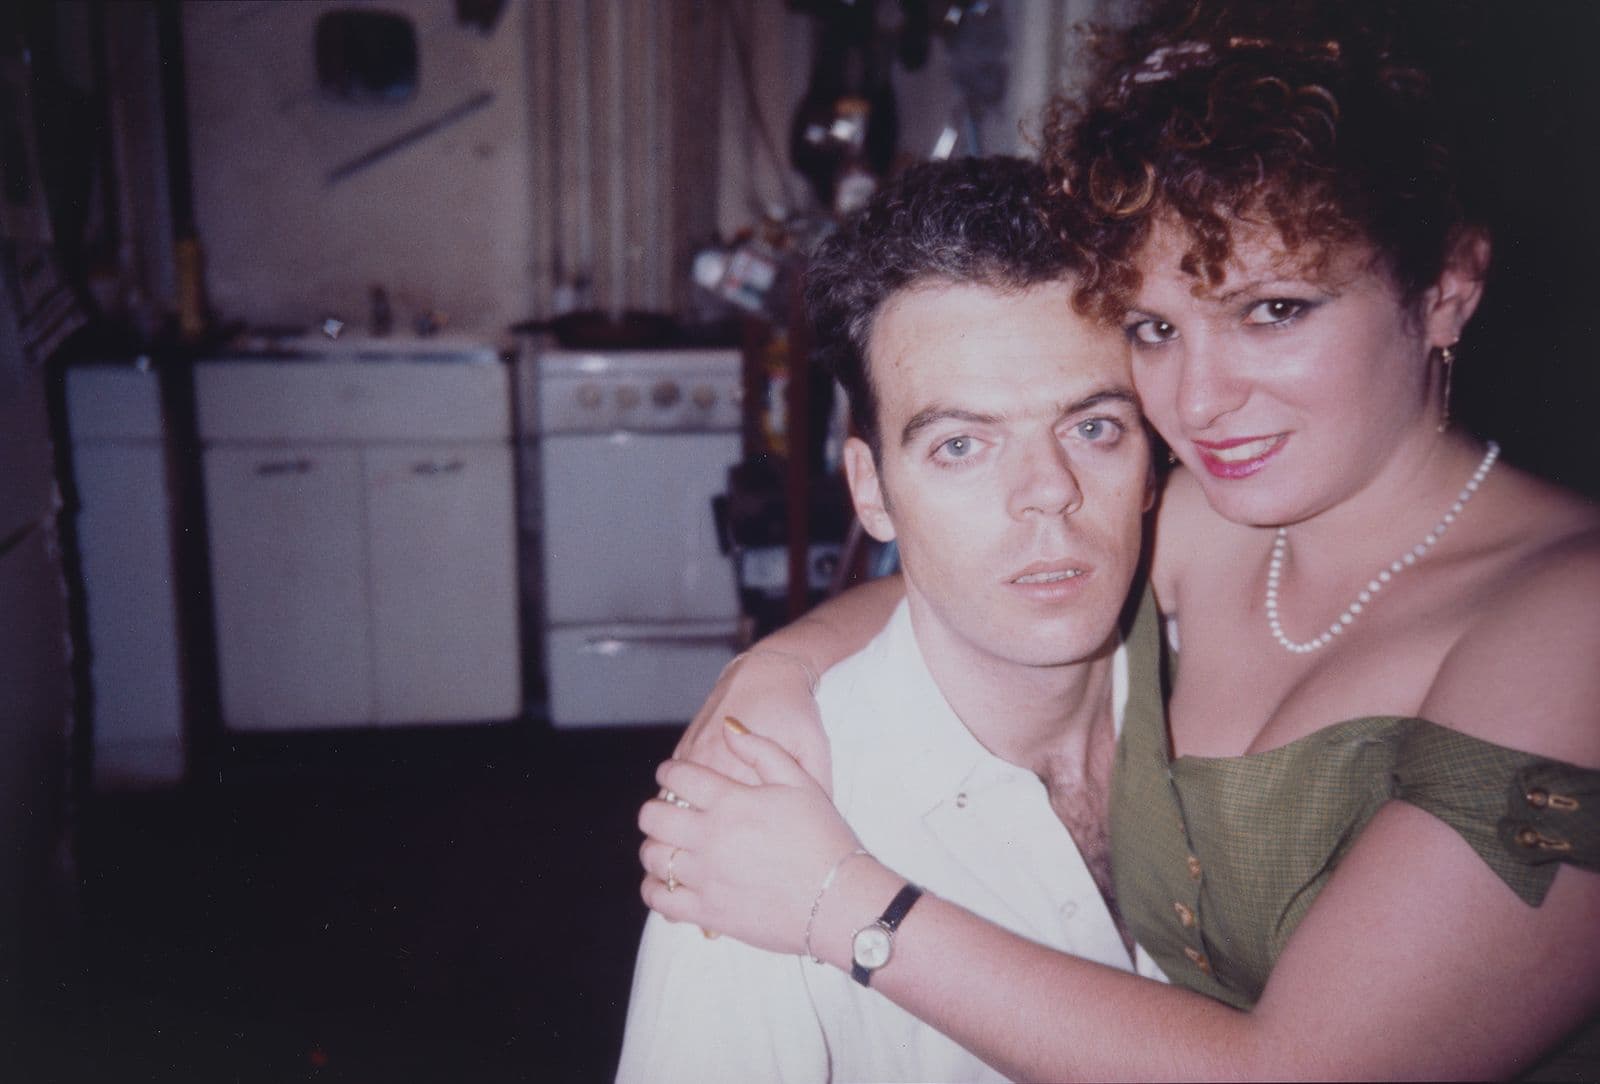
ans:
(872, 945)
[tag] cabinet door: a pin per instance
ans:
(288, 579)
(444, 587)
(125, 558)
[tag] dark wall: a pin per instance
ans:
(1529, 374)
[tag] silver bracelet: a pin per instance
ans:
(827, 883)
(812, 680)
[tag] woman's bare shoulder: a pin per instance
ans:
(1524, 672)
(1549, 536)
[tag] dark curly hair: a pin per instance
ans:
(984, 221)
(1315, 119)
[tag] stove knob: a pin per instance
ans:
(589, 396)
(627, 397)
(665, 394)
(704, 396)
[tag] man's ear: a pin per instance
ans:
(1450, 302)
(866, 490)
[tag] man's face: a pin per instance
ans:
(1014, 471)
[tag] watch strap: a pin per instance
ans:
(890, 921)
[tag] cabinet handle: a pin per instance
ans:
(434, 466)
(285, 466)
(609, 646)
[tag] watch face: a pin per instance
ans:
(871, 946)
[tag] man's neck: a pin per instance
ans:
(1058, 722)
(1041, 718)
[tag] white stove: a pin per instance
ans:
(640, 609)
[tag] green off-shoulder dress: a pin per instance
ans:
(1217, 859)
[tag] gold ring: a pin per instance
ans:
(672, 878)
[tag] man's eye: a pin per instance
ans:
(1275, 310)
(957, 447)
(1099, 430)
(1152, 332)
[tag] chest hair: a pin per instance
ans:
(1080, 796)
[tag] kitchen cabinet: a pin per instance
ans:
(361, 518)
(126, 549)
(443, 580)
(289, 585)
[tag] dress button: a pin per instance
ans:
(1185, 915)
(1199, 960)
(961, 800)
(1531, 837)
(1194, 867)
(1539, 798)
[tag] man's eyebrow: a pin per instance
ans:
(933, 415)
(1106, 395)
(927, 416)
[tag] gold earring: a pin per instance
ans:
(1447, 358)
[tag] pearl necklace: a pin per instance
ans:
(1280, 551)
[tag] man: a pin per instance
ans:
(972, 739)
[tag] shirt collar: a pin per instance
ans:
(939, 757)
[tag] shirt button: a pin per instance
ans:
(961, 800)
(1185, 915)
(1194, 867)
(1199, 960)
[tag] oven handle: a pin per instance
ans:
(609, 646)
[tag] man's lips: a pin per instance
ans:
(1050, 573)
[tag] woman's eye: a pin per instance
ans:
(956, 447)
(1152, 332)
(1099, 430)
(1275, 310)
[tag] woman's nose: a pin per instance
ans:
(1045, 484)
(1209, 388)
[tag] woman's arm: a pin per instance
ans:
(1415, 960)
(770, 687)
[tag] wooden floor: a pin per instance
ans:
(441, 905)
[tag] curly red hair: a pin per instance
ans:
(1305, 118)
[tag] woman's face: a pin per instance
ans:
(1285, 389)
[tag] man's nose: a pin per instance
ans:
(1046, 484)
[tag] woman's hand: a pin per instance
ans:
(774, 692)
(772, 687)
(743, 860)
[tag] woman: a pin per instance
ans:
(1368, 844)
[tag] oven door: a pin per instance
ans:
(641, 607)
(629, 534)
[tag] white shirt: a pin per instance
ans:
(930, 803)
